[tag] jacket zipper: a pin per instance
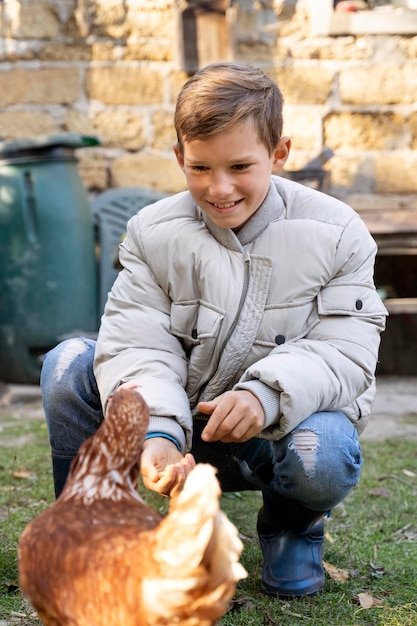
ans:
(247, 261)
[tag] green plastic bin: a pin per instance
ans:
(48, 281)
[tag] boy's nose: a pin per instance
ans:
(221, 186)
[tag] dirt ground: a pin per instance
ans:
(394, 412)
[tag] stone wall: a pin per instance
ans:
(110, 68)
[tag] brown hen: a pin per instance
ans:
(101, 556)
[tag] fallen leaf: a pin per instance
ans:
(335, 573)
(409, 473)
(329, 537)
(367, 601)
(21, 473)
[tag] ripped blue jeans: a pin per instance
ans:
(317, 464)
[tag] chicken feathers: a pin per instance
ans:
(101, 556)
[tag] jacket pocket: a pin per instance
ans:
(197, 324)
(358, 300)
(286, 322)
(195, 321)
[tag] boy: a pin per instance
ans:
(247, 314)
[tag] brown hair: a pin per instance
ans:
(223, 95)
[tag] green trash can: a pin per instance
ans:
(48, 269)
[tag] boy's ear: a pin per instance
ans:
(281, 153)
(179, 155)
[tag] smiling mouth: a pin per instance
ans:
(224, 205)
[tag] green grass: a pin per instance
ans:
(372, 535)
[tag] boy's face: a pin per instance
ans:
(228, 175)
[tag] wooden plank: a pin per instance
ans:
(397, 306)
(398, 245)
(388, 222)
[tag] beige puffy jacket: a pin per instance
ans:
(286, 308)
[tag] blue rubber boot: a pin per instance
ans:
(292, 540)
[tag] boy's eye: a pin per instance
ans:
(241, 166)
(198, 168)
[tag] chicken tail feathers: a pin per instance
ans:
(195, 556)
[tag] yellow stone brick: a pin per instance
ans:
(396, 174)
(106, 51)
(63, 52)
(105, 18)
(147, 170)
(78, 122)
(379, 84)
(176, 82)
(413, 130)
(164, 135)
(343, 171)
(149, 50)
(306, 84)
(304, 128)
(42, 86)
(120, 129)
(365, 131)
(21, 124)
(150, 23)
(330, 48)
(114, 128)
(256, 52)
(93, 166)
(34, 20)
(408, 46)
(124, 85)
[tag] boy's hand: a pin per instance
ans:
(163, 468)
(235, 416)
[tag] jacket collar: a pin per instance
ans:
(271, 209)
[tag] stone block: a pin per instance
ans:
(20, 124)
(78, 122)
(150, 22)
(176, 82)
(149, 50)
(63, 52)
(93, 166)
(413, 130)
(41, 86)
(146, 169)
(365, 131)
(353, 173)
(304, 127)
(31, 20)
(120, 129)
(254, 52)
(102, 18)
(303, 84)
(409, 47)
(124, 85)
(115, 128)
(331, 48)
(107, 50)
(396, 173)
(379, 84)
(164, 135)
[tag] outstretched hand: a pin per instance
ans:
(163, 468)
(236, 416)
